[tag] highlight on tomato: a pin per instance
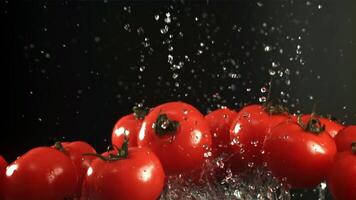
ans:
(299, 154)
(125, 174)
(178, 134)
(129, 126)
(42, 173)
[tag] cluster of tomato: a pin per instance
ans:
(175, 138)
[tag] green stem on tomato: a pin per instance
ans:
(353, 147)
(313, 125)
(164, 126)
(140, 112)
(58, 145)
(122, 153)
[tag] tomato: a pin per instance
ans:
(220, 121)
(247, 133)
(3, 165)
(75, 151)
(345, 137)
(41, 173)
(135, 173)
(299, 154)
(341, 179)
(178, 134)
(332, 127)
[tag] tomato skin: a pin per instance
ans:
(298, 158)
(3, 165)
(219, 122)
(247, 133)
(345, 137)
(139, 176)
(331, 126)
(180, 151)
(41, 173)
(341, 179)
(128, 125)
(75, 150)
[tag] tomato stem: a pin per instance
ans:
(122, 153)
(271, 107)
(58, 145)
(313, 125)
(164, 126)
(140, 112)
(353, 147)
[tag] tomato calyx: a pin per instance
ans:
(140, 112)
(58, 145)
(164, 125)
(122, 153)
(353, 147)
(274, 109)
(313, 125)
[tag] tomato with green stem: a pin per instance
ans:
(125, 174)
(299, 154)
(345, 138)
(42, 173)
(332, 127)
(248, 131)
(178, 134)
(341, 178)
(75, 151)
(129, 126)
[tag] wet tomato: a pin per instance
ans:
(42, 173)
(248, 131)
(178, 134)
(134, 173)
(299, 154)
(345, 137)
(129, 126)
(341, 179)
(3, 165)
(75, 151)
(332, 127)
(219, 122)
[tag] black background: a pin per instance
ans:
(76, 67)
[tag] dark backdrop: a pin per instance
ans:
(76, 67)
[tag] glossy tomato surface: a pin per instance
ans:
(247, 133)
(128, 125)
(219, 122)
(75, 151)
(342, 176)
(139, 176)
(345, 138)
(42, 173)
(3, 165)
(182, 149)
(296, 157)
(332, 127)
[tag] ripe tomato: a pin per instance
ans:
(341, 179)
(135, 173)
(129, 126)
(220, 121)
(75, 151)
(3, 165)
(332, 127)
(298, 154)
(42, 173)
(178, 134)
(247, 133)
(345, 137)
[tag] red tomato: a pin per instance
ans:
(3, 165)
(298, 154)
(345, 137)
(342, 175)
(138, 175)
(42, 173)
(178, 134)
(75, 151)
(220, 121)
(331, 126)
(247, 133)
